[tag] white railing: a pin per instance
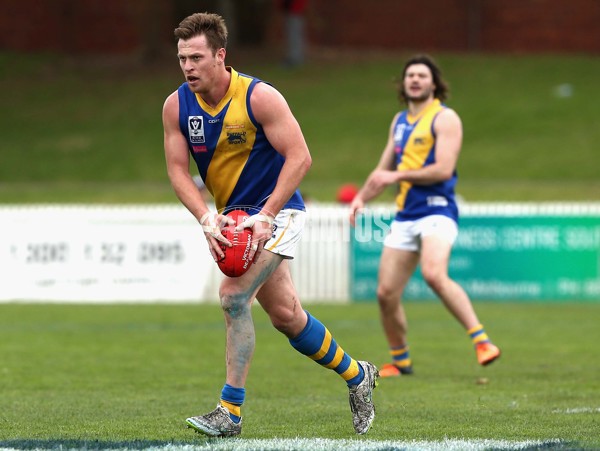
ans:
(155, 253)
(79, 253)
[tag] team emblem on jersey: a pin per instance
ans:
(236, 137)
(196, 129)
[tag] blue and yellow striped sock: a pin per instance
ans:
(401, 357)
(232, 399)
(316, 342)
(478, 335)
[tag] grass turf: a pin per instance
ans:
(109, 376)
(93, 133)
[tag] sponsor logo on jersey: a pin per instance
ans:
(236, 137)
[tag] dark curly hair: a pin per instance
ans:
(441, 87)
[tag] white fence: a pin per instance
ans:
(145, 254)
(157, 253)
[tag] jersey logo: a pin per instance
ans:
(196, 129)
(437, 201)
(399, 132)
(236, 137)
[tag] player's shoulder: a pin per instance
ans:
(264, 91)
(447, 116)
(446, 110)
(171, 104)
(397, 116)
(266, 101)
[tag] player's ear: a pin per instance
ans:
(221, 55)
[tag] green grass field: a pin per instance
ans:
(81, 131)
(126, 377)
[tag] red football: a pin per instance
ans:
(236, 262)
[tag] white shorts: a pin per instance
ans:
(287, 230)
(406, 235)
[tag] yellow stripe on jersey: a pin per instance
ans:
(236, 141)
(418, 147)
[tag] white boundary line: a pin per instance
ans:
(320, 444)
(578, 410)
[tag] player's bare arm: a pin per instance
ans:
(284, 133)
(177, 160)
(448, 132)
(383, 175)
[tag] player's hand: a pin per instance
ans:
(356, 207)
(262, 229)
(381, 178)
(212, 223)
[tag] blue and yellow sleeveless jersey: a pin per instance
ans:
(414, 146)
(234, 158)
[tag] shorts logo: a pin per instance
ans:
(196, 129)
(273, 233)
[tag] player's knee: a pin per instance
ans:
(387, 298)
(282, 319)
(234, 304)
(289, 319)
(434, 278)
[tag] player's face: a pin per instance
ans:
(418, 83)
(198, 63)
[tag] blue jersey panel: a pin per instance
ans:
(234, 158)
(414, 145)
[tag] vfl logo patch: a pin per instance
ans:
(399, 132)
(236, 137)
(196, 129)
